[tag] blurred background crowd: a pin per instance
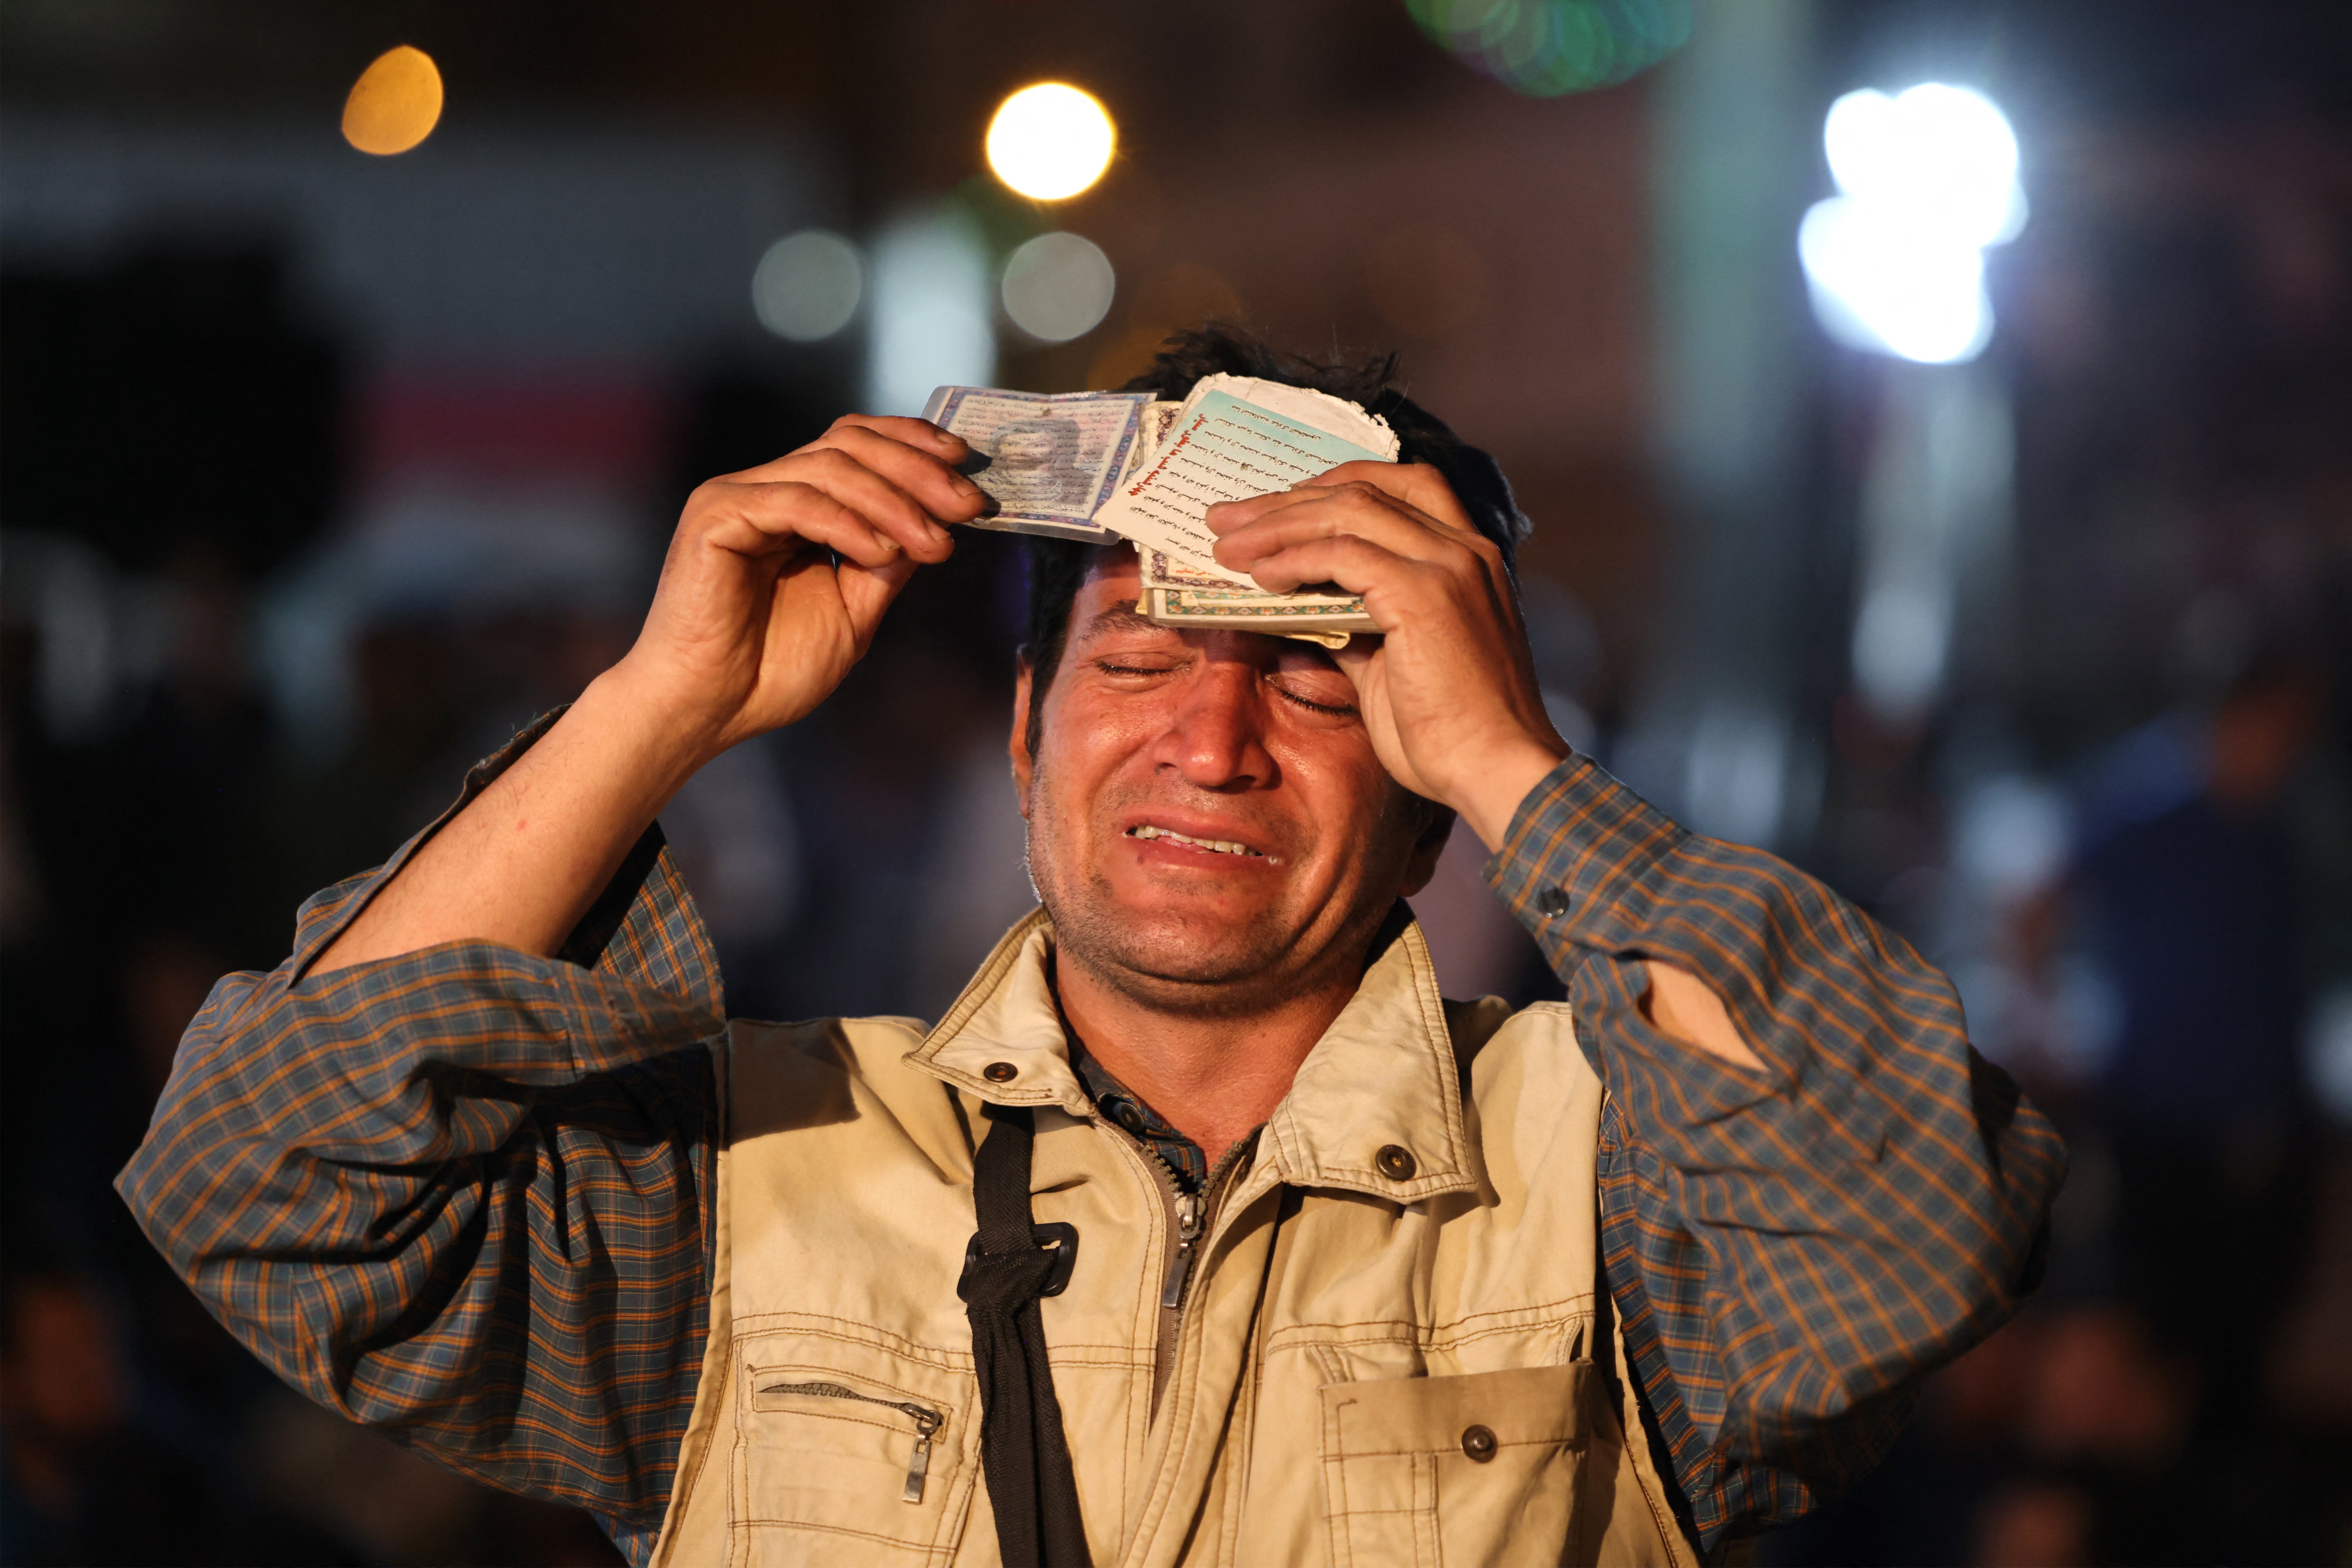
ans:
(1948, 490)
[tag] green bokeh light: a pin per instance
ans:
(1550, 47)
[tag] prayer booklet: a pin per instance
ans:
(1236, 436)
(1048, 460)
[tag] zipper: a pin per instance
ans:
(1188, 1214)
(1189, 1209)
(927, 1422)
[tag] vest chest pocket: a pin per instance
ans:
(847, 1453)
(1483, 1469)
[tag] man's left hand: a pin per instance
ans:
(1448, 689)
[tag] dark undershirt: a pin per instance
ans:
(1183, 1158)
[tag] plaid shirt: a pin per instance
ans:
(465, 1194)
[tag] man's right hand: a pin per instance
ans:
(778, 576)
(774, 584)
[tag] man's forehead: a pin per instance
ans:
(1105, 599)
(1113, 566)
(1105, 608)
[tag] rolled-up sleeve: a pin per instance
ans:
(1790, 1251)
(460, 1195)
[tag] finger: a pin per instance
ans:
(1418, 485)
(1354, 511)
(921, 434)
(780, 505)
(1225, 516)
(930, 479)
(876, 492)
(1353, 562)
(788, 516)
(912, 454)
(867, 593)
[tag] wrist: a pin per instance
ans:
(666, 737)
(1499, 781)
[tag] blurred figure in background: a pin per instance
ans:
(2197, 915)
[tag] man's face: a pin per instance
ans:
(1207, 821)
(1027, 449)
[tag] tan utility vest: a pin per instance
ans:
(1376, 1360)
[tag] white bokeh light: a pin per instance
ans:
(1892, 290)
(1058, 287)
(1929, 180)
(808, 285)
(1051, 141)
(931, 316)
(1943, 156)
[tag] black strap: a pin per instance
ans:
(1023, 1449)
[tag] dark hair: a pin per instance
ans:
(1058, 567)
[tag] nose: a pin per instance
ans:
(1215, 739)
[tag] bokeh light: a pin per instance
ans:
(1058, 287)
(808, 285)
(1928, 181)
(1051, 141)
(1550, 47)
(1943, 157)
(931, 309)
(395, 104)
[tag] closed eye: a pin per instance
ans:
(1343, 711)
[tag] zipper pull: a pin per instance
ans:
(1188, 1231)
(920, 1466)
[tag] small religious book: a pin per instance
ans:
(1049, 461)
(1233, 438)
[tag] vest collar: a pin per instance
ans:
(1382, 1076)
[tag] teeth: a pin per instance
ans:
(1222, 846)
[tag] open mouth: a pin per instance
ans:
(1219, 846)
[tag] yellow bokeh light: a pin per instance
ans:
(1051, 141)
(394, 104)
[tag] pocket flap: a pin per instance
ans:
(1541, 1404)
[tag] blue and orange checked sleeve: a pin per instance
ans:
(1790, 1252)
(459, 1195)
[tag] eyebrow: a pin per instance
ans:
(1122, 617)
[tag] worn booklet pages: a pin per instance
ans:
(1233, 438)
(1176, 593)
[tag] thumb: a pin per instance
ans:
(866, 592)
(1356, 659)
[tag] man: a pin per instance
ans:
(1354, 1275)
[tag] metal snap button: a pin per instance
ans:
(1000, 1072)
(1396, 1162)
(1553, 901)
(1479, 1443)
(1124, 1114)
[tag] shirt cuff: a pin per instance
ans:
(1582, 862)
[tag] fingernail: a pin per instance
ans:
(966, 489)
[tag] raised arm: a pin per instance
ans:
(447, 1168)
(1814, 1191)
(1793, 1246)
(774, 585)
